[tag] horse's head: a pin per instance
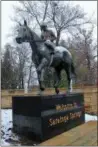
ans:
(23, 33)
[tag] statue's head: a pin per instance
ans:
(23, 33)
(43, 26)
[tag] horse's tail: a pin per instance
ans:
(68, 58)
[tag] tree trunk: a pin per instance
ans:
(22, 80)
(58, 38)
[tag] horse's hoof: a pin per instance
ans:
(42, 88)
(64, 93)
(57, 91)
(40, 93)
(68, 92)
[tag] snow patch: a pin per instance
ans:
(90, 117)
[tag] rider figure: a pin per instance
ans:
(49, 37)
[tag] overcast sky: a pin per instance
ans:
(89, 7)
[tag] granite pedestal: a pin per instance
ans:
(47, 116)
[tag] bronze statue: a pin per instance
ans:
(41, 56)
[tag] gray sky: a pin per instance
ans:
(89, 7)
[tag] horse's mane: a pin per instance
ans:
(36, 37)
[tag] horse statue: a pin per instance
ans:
(41, 57)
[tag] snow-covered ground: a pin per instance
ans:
(10, 138)
(7, 135)
(90, 117)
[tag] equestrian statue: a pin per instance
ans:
(46, 54)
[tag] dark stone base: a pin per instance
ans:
(47, 116)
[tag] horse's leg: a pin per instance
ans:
(41, 85)
(42, 80)
(57, 78)
(69, 77)
(40, 71)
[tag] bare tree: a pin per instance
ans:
(62, 16)
(66, 17)
(23, 57)
(83, 46)
(9, 78)
(34, 11)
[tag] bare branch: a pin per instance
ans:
(46, 7)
